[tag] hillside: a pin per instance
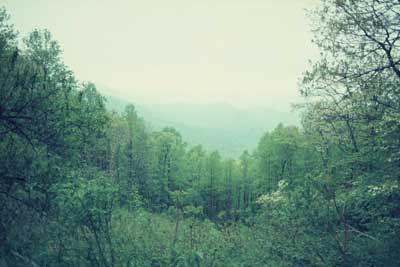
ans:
(218, 126)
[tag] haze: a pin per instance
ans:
(247, 53)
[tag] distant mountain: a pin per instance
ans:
(216, 126)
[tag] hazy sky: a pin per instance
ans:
(244, 52)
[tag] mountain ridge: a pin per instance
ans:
(216, 126)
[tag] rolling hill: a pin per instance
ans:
(217, 126)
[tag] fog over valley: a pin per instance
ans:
(200, 133)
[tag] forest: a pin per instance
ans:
(84, 186)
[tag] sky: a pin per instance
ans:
(248, 53)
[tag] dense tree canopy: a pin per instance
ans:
(84, 186)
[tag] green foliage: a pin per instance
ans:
(82, 186)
